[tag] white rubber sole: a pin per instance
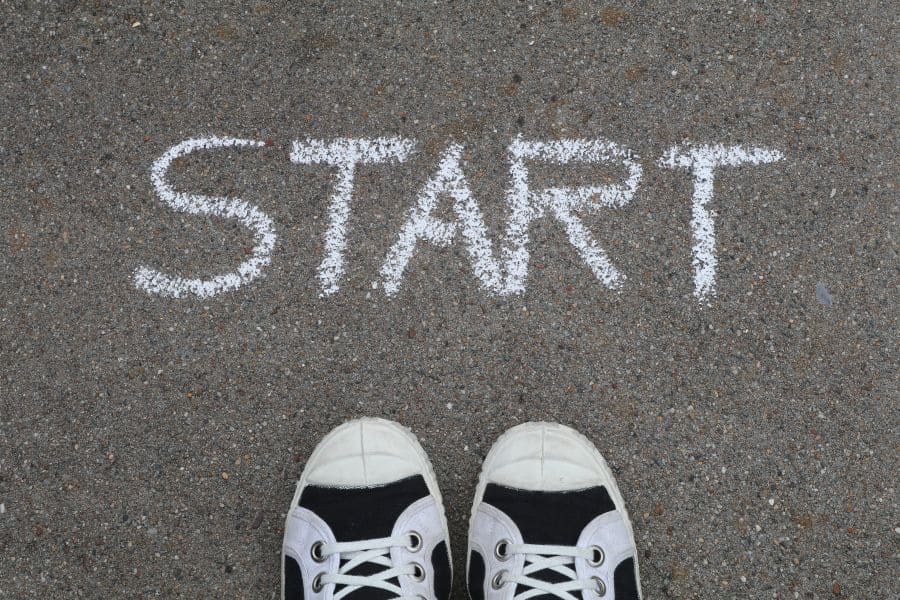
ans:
(427, 472)
(606, 478)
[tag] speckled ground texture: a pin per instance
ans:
(149, 446)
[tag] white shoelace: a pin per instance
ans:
(560, 559)
(375, 551)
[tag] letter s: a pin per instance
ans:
(250, 216)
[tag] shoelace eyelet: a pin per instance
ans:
(500, 550)
(415, 540)
(598, 556)
(316, 552)
(600, 590)
(497, 581)
(418, 572)
(317, 584)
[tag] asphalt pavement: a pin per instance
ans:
(741, 381)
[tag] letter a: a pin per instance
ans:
(420, 225)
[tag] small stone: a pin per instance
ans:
(225, 475)
(679, 572)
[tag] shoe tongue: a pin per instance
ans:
(368, 593)
(547, 575)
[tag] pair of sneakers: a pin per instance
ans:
(367, 521)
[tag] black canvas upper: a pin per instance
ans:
(440, 561)
(476, 576)
(368, 513)
(363, 513)
(625, 580)
(293, 580)
(554, 518)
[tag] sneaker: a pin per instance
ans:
(366, 521)
(549, 522)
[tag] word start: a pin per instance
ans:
(500, 273)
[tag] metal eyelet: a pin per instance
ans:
(317, 584)
(597, 556)
(316, 552)
(415, 541)
(600, 588)
(497, 580)
(418, 572)
(501, 550)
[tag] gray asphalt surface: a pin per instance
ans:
(149, 446)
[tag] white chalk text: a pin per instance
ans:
(500, 271)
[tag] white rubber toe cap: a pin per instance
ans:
(545, 456)
(363, 453)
